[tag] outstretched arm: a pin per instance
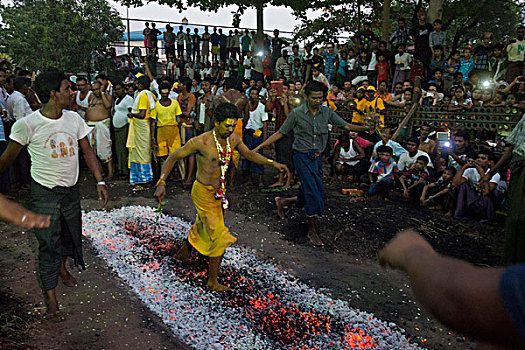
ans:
(275, 137)
(181, 153)
(463, 297)
(255, 157)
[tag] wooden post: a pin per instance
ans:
(405, 120)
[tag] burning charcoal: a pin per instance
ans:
(268, 308)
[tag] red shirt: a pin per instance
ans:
(382, 71)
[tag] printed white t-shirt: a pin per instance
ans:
(52, 145)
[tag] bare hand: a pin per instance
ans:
(281, 167)
(406, 194)
(32, 220)
(103, 194)
(160, 193)
(395, 252)
(485, 179)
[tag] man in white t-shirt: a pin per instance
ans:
(52, 136)
(255, 119)
(474, 201)
(408, 159)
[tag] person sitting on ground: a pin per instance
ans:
(415, 179)
(476, 201)
(386, 171)
(479, 302)
(349, 157)
(408, 159)
(461, 152)
(440, 193)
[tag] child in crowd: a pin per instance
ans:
(415, 179)
(437, 38)
(451, 68)
(417, 70)
(402, 62)
(440, 192)
(466, 63)
(386, 172)
(382, 69)
(437, 61)
(498, 100)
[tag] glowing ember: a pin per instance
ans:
(268, 308)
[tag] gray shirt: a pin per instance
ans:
(436, 38)
(310, 131)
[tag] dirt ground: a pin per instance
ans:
(102, 312)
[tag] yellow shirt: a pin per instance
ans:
(362, 105)
(377, 105)
(166, 115)
(144, 104)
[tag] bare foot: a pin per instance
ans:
(277, 184)
(67, 278)
(217, 287)
(279, 207)
(314, 238)
(449, 214)
(52, 307)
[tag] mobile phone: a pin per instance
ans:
(277, 86)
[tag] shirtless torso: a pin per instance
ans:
(208, 169)
(99, 107)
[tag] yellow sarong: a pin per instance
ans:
(168, 139)
(208, 234)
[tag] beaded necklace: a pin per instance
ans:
(224, 162)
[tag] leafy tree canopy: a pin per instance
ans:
(465, 21)
(58, 33)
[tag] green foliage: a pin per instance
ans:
(58, 33)
(465, 20)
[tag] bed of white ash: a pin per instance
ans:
(268, 308)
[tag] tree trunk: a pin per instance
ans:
(259, 43)
(386, 19)
(435, 10)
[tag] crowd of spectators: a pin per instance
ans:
(150, 115)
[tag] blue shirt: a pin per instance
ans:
(329, 62)
(396, 147)
(465, 67)
(511, 287)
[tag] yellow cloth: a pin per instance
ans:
(166, 115)
(377, 105)
(168, 139)
(208, 234)
(238, 128)
(144, 103)
(139, 141)
(362, 105)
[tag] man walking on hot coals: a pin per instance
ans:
(309, 123)
(213, 150)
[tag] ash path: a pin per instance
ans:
(268, 309)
